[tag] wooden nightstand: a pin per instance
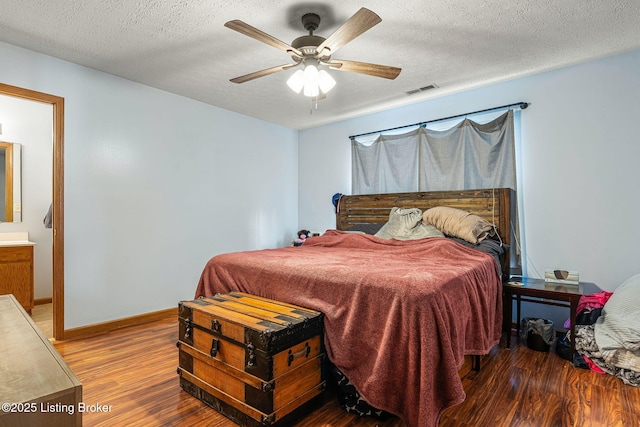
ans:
(541, 292)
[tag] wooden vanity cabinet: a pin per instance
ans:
(16, 274)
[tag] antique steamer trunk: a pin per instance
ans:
(255, 360)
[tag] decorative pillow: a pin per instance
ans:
(459, 223)
(406, 224)
(619, 325)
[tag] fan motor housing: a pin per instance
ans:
(307, 44)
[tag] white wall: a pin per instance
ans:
(29, 124)
(156, 184)
(579, 181)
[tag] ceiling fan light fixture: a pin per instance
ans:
(325, 81)
(311, 81)
(296, 81)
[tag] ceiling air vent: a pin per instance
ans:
(422, 89)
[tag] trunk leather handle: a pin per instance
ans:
(302, 353)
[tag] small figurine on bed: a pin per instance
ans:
(302, 236)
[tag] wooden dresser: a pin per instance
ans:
(16, 268)
(37, 386)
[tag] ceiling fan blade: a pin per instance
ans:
(248, 30)
(375, 70)
(361, 21)
(262, 73)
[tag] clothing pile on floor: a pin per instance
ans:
(608, 332)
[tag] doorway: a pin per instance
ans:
(57, 206)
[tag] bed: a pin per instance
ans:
(400, 315)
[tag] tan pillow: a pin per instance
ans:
(459, 223)
(406, 224)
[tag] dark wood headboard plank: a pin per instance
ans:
(494, 205)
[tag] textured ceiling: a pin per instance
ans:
(182, 46)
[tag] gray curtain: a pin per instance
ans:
(469, 155)
(389, 165)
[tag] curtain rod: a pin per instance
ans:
(521, 105)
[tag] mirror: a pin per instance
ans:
(10, 186)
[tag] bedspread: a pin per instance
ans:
(399, 315)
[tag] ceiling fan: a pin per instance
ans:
(314, 52)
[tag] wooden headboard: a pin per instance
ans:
(495, 205)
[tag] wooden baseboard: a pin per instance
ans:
(101, 328)
(41, 301)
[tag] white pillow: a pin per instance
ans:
(619, 324)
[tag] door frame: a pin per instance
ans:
(58, 196)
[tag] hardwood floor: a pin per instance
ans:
(42, 315)
(133, 372)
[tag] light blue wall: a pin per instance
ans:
(579, 181)
(155, 185)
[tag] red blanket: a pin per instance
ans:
(399, 315)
